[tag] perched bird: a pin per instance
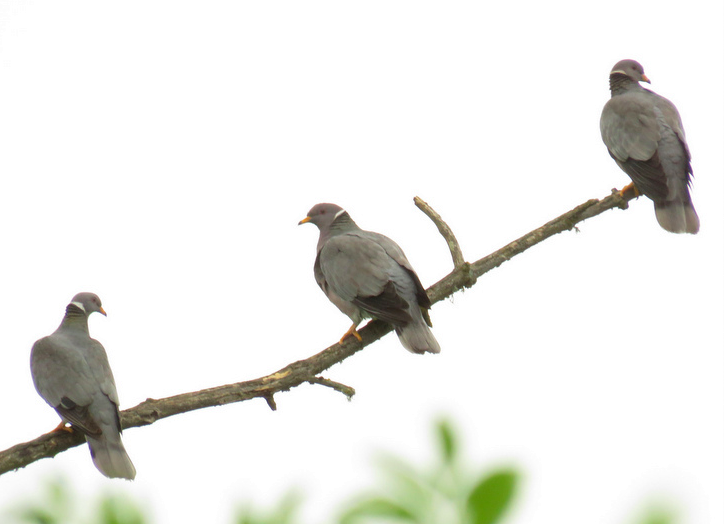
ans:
(71, 372)
(644, 135)
(366, 275)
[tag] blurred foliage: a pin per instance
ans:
(446, 494)
(658, 513)
(285, 513)
(443, 493)
(57, 505)
(117, 509)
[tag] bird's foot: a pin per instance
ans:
(62, 427)
(630, 188)
(351, 332)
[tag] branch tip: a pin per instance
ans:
(270, 401)
(447, 233)
(347, 391)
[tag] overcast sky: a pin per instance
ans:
(161, 154)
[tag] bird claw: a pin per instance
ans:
(62, 427)
(631, 187)
(351, 332)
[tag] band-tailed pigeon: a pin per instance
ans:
(644, 135)
(71, 372)
(366, 275)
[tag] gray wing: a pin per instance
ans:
(77, 383)
(104, 408)
(97, 359)
(673, 150)
(395, 251)
(631, 131)
(359, 270)
(629, 128)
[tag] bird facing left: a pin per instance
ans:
(71, 373)
(366, 275)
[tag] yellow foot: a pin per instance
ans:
(631, 187)
(353, 332)
(62, 427)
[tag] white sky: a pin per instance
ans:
(161, 154)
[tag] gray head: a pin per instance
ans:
(324, 215)
(630, 68)
(88, 303)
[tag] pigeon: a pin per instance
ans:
(644, 135)
(71, 373)
(366, 275)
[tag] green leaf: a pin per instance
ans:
(403, 477)
(285, 512)
(377, 507)
(288, 508)
(244, 516)
(119, 509)
(659, 515)
(448, 441)
(55, 506)
(37, 516)
(491, 496)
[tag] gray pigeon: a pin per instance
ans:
(71, 372)
(366, 275)
(644, 135)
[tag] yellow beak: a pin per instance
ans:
(304, 220)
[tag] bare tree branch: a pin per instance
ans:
(447, 233)
(345, 390)
(463, 275)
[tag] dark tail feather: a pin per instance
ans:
(416, 336)
(110, 457)
(677, 217)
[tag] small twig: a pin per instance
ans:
(337, 386)
(271, 402)
(452, 243)
(460, 278)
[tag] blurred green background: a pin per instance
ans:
(448, 490)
